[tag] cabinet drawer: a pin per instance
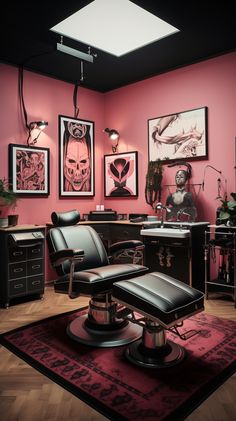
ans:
(35, 251)
(17, 287)
(103, 230)
(120, 233)
(35, 283)
(17, 254)
(17, 270)
(172, 242)
(34, 267)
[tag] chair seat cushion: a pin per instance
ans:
(159, 297)
(98, 280)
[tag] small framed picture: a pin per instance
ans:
(121, 175)
(76, 157)
(29, 170)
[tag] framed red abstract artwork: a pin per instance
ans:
(29, 170)
(121, 175)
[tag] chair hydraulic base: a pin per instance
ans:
(78, 331)
(169, 355)
(101, 328)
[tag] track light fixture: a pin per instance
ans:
(76, 53)
(114, 138)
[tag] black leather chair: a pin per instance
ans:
(128, 305)
(84, 268)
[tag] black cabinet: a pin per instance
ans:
(220, 257)
(181, 258)
(170, 256)
(22, 263)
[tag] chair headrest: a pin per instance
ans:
(62, 219)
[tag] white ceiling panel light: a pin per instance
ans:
(114, 26)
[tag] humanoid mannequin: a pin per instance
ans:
(181, 201)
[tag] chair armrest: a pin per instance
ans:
(124, 245)
(58, 257)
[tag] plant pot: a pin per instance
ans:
(3, 222)
(13, 220)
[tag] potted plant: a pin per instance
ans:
(227, 211)
(8, 200)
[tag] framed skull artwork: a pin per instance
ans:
(121, 175)
(76, 157)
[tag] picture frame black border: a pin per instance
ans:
(180, 158)
(62, 193)
(115, 156)
(12, 147)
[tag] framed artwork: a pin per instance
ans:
(76, 157)
(180, 136)
(121, 175)
(29, 170)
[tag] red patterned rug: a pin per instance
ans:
(105, 380)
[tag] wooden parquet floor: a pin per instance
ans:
(27, 395)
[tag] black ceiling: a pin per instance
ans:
(207, 29)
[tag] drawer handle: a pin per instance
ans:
(35, 251)
(154, 242)
(35, 282)
(35, 266)
(17, 253)
(18, 270)
(18, 286)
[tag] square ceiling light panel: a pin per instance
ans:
(115, 26)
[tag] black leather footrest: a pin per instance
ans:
(159, 297)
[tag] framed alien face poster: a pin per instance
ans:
(76, 157)
(121, 175)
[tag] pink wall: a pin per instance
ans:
(46, 98)
(210, 83)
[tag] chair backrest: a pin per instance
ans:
(63, 219)
(78, 237)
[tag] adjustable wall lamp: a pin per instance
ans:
(114, 138)
(38, 125)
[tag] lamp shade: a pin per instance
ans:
(112, 133)
(38, 125)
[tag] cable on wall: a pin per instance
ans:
(21, 96)
(75, 95)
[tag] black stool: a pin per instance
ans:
(163, 303)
